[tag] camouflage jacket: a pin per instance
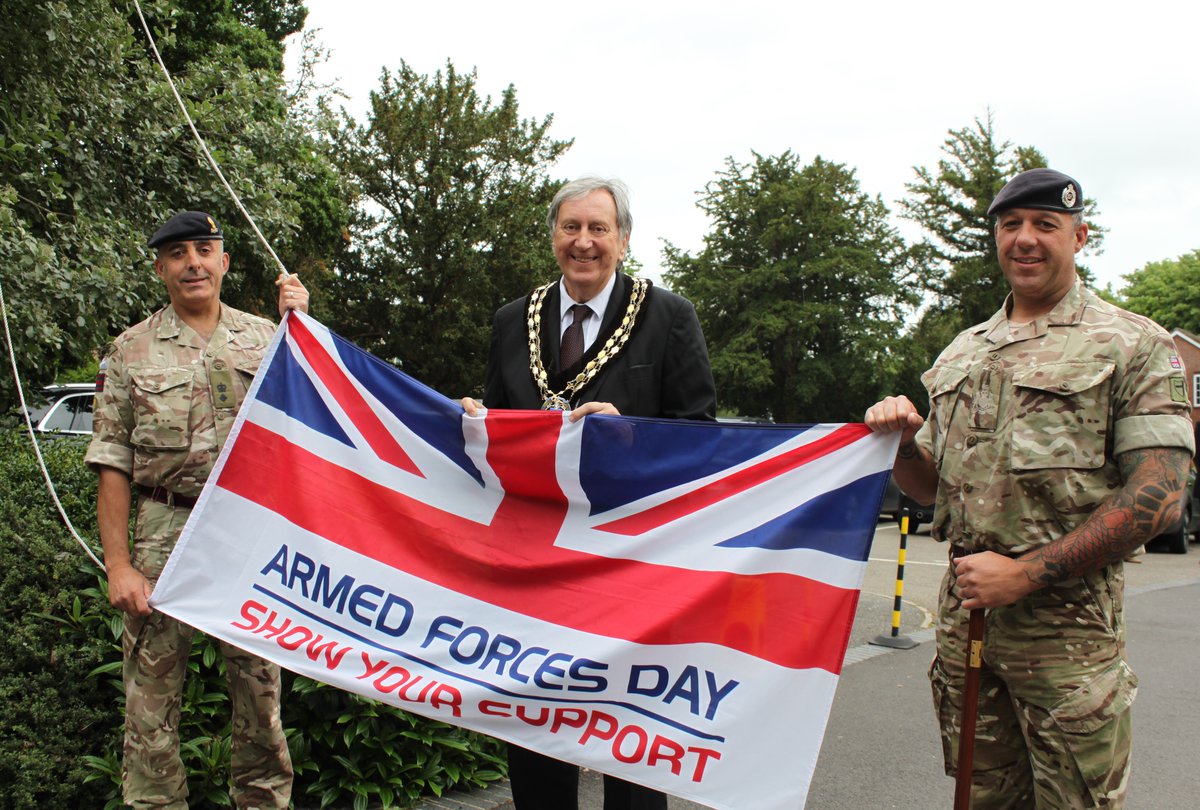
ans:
(169, 400)
(1026, 422)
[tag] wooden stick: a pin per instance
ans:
(966, 739)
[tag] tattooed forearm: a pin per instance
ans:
(1146, 505)
(915, 472)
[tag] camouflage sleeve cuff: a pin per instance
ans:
(1153, 430)
(106, 454)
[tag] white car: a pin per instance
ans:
(68, 410)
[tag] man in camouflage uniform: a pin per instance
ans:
(1058, 441)
(172, 388)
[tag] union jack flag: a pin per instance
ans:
(651, 585)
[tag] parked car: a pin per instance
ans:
(67, 409)
(894, 501)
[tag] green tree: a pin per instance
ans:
(1167, 292)
(94, 154)
(958, 256)
(254, 30)
(797, 288)
(450, 222)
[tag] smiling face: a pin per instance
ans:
(1037, 251)
(588, 244)
(192, 272)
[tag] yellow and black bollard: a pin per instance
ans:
(896, 640)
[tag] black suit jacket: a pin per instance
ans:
(661, 371)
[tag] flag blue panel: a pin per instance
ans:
(428, 413)
(832, 522)
(627, 459)
(289, 389)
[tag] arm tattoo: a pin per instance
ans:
(908, 450)
(1147, 504)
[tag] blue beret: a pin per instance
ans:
(186, 226)
(1044, 189)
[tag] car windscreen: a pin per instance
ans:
(71, 414)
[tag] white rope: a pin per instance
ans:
(12, 357)
(203, 146)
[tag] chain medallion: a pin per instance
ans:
(561, 400)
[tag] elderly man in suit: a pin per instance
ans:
(596, 341)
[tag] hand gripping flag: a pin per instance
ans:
(666, 601)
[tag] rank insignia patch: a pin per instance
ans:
(1178, 390)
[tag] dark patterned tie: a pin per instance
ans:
(571, 349)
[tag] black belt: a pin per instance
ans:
(958, 552)
(164, 495)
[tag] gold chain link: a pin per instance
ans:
(561, 400)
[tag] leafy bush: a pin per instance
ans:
(52, 712)
(61, 700)
(354, 748)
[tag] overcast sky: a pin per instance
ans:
(660, 93)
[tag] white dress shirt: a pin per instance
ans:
(591, 324)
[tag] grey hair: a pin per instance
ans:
(1076, 218)
(583, 186)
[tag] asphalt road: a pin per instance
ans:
(881, 747)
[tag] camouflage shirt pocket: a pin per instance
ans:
(943, 384)
(1061, 419)
(162, 405)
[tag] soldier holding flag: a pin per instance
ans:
(1058, 441)
(173, 386)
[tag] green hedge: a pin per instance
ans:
(52, 637)
(60, 696)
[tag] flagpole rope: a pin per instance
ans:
(4, 309)
(203, 146)
(37, 450)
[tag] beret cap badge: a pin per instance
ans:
(1044, 189)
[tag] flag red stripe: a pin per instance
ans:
(512, 563)
(381, 440)
(731, 485)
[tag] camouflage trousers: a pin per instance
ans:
(1053, 725)
(155, 664)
